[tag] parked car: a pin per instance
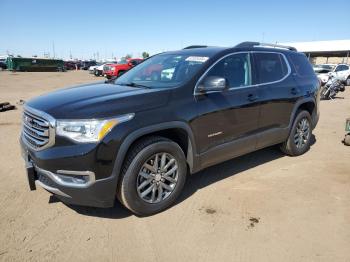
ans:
(322, 71)
(72, 65)
(116, 70)
(92, 68)
(86, 64)
(140, 136)
(342, 72)
(339, 71)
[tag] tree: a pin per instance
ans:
(128, 56)
(145, 55)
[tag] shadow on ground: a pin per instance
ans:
(197, 181)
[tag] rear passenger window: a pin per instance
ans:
(301, 65)
(270, 67)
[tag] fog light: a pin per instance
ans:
(75, 178)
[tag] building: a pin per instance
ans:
(335, 51)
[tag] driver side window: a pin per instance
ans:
(236, 69)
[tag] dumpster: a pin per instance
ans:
(34, 64)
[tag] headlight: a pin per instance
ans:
(86, 131)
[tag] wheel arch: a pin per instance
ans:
(307, 104)
(177, 131)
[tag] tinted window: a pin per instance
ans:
(270, 67)
(235, 69)
(301, 65)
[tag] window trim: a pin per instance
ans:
(195, 93)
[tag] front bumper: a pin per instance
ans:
(98, 191)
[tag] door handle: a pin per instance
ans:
(252, 97)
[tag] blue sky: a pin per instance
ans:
(119, 27)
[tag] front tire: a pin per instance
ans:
(300, 135)
(153, 176)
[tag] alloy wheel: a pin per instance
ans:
(302, 133)
(157, 178)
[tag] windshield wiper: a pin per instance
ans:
(133, 84)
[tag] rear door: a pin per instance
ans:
(227, 121)
(277, 93)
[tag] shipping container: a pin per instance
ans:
(34, 64)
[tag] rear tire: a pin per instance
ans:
(300, 135)
(142, 172)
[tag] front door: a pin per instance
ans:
(227, 121)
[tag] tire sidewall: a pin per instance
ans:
(128, 193)
(299, 151)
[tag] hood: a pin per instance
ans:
(98, 101)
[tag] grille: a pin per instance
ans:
(36, 131)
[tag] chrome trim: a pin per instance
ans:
(51, 189)
(45, 126)
(59, 181)
(195, 93)
(128, 117)
(90, 174)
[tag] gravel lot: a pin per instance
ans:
(260, 207)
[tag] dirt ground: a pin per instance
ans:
(260, 207)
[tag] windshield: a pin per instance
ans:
(163, 71)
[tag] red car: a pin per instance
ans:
(116, 70)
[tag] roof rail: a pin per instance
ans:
(253, 44)
(195, 46)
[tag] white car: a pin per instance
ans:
(340, 71)
(98, 70)
(92, 68)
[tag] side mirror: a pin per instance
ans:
(212, 83)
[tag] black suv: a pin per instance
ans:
(176, 113)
